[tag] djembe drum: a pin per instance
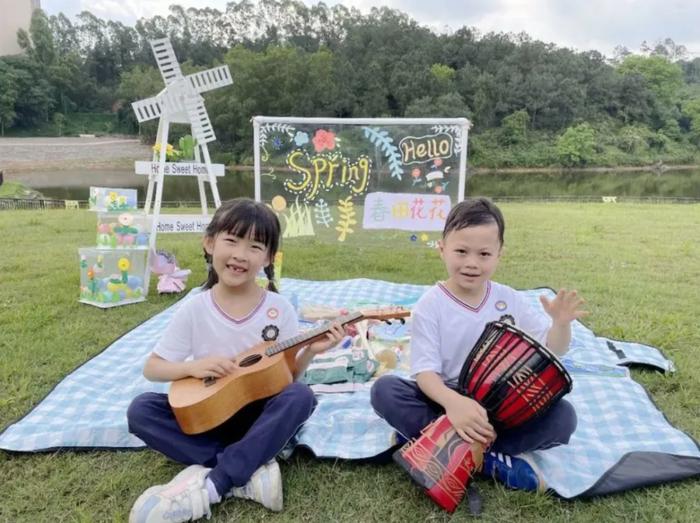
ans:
(515, 379)
(512, 376)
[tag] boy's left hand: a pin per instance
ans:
(333, 337)
(565, 307)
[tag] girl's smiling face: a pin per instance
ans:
(237, 260)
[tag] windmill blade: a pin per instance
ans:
(148, 109)
(210, 79)
(201, 125)
(166, 59)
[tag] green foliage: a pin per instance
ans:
(576, 146)
(633, 138)
(187, 145)
(450, 105)
(664, 77)
(59, 121)
(514, 127)
(691, 109)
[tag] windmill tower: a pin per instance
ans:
(180, 102)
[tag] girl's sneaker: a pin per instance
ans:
(184, 498)
(264, 487)
(519, 473)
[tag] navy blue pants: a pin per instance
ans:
(404, 406)
(233, 450)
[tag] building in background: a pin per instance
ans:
(14, 15)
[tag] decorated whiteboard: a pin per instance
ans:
(345, 179)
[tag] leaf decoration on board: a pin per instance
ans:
(381, 139)
(270, 128)
(456, 130)
(322, 213)
(347, 215)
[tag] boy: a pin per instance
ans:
(447, 322)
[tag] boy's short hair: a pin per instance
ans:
(474, 211)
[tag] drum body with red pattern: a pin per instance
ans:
(441, 462)
(512, 375)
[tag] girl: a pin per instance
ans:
(231, 315)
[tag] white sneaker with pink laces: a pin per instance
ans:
(184, 498)
(264, 487)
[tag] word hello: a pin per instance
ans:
(322, 172)
(422, 149)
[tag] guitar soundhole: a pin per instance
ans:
(250, 360)
(209, 381)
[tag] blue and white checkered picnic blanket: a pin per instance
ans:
(616, 417)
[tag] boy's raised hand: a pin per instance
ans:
(565, 307)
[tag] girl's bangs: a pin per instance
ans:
(250, 222)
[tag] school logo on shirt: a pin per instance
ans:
(270, 332)
(272, 313)
(501, 305)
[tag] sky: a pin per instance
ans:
(582, 25)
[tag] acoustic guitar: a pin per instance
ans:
(260, 372)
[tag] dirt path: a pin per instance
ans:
(24, 154)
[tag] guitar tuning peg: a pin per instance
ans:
(402, 320)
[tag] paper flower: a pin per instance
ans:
(324, 140)
(301, 139)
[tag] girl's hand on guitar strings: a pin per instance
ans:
(213, 366)
(333, 337)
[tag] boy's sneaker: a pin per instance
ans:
(514, 472)
(184, 498)
(264, 487)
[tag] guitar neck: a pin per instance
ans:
(312, 335)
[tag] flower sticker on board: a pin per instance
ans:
(301, 139)
(324, 140)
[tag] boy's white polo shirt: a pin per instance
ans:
(200, 328)
(445, 329)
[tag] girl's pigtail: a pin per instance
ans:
(270, 273)
(212, 278)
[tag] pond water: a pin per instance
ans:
(678, 185)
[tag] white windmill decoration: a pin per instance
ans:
(180, 102)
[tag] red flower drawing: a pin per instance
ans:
(323, 140)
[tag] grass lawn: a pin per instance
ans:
(637, 266)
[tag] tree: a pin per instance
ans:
(664, 78)
(59, 120)
(442, 77)
(514, 127)
(450, 105)
(576, 146)
(691, 109)
(8, 96)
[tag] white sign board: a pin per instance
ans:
(405, 211)
(177, 223)
(178, 168)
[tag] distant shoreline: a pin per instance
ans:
(22, 155)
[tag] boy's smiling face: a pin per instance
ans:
(471, 255)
